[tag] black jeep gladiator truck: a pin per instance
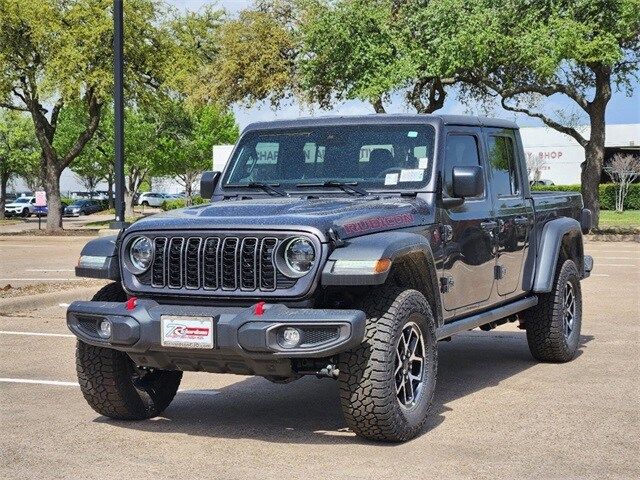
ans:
(342, 247)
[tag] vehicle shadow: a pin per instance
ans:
(308, 410)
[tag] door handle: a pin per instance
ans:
(491, 225)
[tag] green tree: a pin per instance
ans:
(186, 139)
(319, 51)
(529, 52)
(53, 52)
(361, 49)
(18, 150)
(254, 61)
(141, 152)
(90, 166)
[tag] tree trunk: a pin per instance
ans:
(51, 183)
(4, 179)
(378, 106)
(129, 194)
(128, 204)
(590, 177)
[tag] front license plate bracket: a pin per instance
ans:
(182, 331)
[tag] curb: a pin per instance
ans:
(9, 306)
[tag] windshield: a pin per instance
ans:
(371, 156)
(22, 200)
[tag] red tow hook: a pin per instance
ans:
(131, 303)
(259, 309)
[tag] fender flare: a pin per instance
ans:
(384, 245)
(99, 259)
(550, 242)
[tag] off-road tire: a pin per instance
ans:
(113, 385)
(545, 322)
(368, 397)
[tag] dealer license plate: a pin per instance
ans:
(186, 332)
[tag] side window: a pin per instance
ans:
(504, 169)
(461, 151)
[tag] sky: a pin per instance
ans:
(621, 109)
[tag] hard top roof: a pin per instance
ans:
(382, 119)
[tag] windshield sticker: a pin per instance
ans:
(412, 134)
(391, 179)
(423, 162)
(412, 175)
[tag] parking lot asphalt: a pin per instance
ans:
(497, 412)
(29, 260)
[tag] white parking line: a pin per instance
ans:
(618, 258)
(29, 279)
(614, 265)
(589, 250)
(58, 383)
(30, 245)
(37, 334)
(39, 382)
(49, 270)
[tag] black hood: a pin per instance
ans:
(347, 216)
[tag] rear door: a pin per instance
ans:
(469, 259)
(514, 212)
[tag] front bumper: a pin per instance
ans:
(243, 341)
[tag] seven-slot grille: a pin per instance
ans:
(217, 263)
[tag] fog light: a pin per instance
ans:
(105, 328)
(290, 337)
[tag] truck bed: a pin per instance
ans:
(548, 205)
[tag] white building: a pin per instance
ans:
(561, 155)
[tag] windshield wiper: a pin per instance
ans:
(348, 187)
(267, 187)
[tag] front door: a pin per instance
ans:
(514, 212)
(469, 260)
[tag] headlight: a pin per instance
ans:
(299, 256)
(141, 254)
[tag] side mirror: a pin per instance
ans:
(208, 183)
(467, 182)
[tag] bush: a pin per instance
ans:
(181, 203)
(607, 194)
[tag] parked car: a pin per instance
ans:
(349, 254)
(79, 195)
(83, 207)
(543, 182)
(152, 199)
(21, 206)
(43, 211)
